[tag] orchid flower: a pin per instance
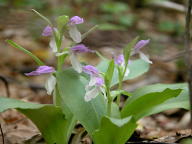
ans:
(51, 81)
(96, 83)
(47, 31)
(41, 70)
(120, 61)
(137, 50)
(73, 31)
(81, 48)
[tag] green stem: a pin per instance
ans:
(109, 102)
(119, 95)
(121, 76)
(56, 96)
(59, 64)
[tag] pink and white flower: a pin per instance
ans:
(96, 83)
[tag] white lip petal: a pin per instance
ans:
(87, 88)
(75, 63)
(75, 34)
(53, 45)
(92, 81)
(50, 84)
(91, 94)
(145, 58)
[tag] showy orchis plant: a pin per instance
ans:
(86, 93)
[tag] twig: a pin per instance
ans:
(168, 5)
(8, 94)
(3, 138)
(175, 56)
(187, 55)
(6, 85)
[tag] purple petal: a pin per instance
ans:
(76, 20)
(47, 31)
(140, 44)
(99, 81)
(81, 48)
(41, 70)
(91, 70)
(119, 60)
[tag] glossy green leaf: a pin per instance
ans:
(72, 90)
(35, 58)
(115, 112)
(114, 131)
(137, 107)
(181, 101)
(49, 119)
(115, 93)
(137, 68)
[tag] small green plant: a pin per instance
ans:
(84, 92)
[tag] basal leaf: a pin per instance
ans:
(137, 107)
(50, 120)
(114, 131)
(72, 91)
(115, 112)
(181, 101)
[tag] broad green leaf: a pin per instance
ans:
(128, 48)
(181, 101)
(62, 21)
(109, 73)
(137, 68)
(138, 106)
(115, 93)
(52, 123)
(72, 91)
(35, 58)
(49, 119)
(6, 103)
(114, 131)
(115, 112)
